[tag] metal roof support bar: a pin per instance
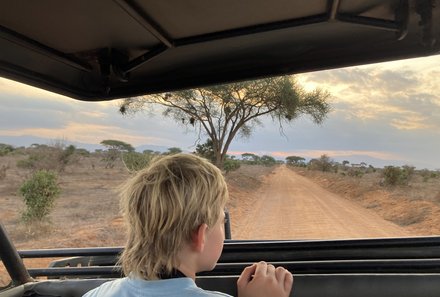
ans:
(314, 19)
(139, 61)
(136, 13)
(26, 42)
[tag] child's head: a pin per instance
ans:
(163, 205)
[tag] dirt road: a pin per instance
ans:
(289, 206)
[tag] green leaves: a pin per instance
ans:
(223, 111)
(39, 194)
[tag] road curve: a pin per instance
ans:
(290, 206)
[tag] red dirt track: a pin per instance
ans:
(289, 206)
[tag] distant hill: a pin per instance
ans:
(27, 140)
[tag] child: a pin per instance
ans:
(175, 215)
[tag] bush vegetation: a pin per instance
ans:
(39, 193)
(393, 175)
(135, 161)
(45, 157)
(231, 164)
(324, 163)
(5, 149)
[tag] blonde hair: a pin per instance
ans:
(162, 205)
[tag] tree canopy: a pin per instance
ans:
(225, 111)
(295, 160)
(115, 148)
(117, 145)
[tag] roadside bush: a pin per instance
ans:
(268, 160)
(397, 176)
(408, 172)
(39, 193)
(355, 172)
(324, 163)
(231, 165)
(427, 174)
(391, 175)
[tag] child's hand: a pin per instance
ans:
(264, 280)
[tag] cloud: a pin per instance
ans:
(404, 98)
(415, 122)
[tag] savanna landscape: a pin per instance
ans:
(271, 201)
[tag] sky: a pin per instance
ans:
(382, 114)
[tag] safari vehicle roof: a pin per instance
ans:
(102, 49)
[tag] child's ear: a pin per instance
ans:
(198, 238)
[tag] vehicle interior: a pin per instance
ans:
(104, 50)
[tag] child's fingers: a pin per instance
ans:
(246, 275)
(288, 281)
(280, 274)
(284, 278)
(261, 269)
(270, 270)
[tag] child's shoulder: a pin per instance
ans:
(133, 287)
(109, 288)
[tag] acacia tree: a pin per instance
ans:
(295, 160)
(224, 111)
(115, 150)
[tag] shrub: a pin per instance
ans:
(29, 163)
(65, 156)
(391, 175)
(407, 173)
(39, 194)
(231, 165)
(5, 149)
(82, 152)
(267, 160)
(44, 157)
(396, 175)
(355, 172)
(324, 163)
(134, 161)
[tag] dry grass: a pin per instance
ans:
(87, 212)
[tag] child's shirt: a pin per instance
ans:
(135, 287)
